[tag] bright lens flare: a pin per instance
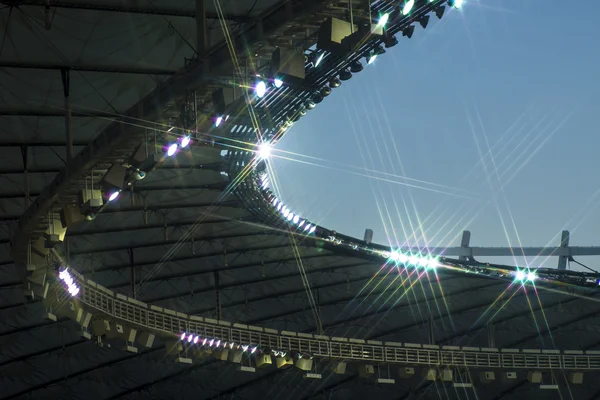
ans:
(520, 275)
(384, 18)
(407, 7)
(264, 151)
(531, 276)
(113, 196)
(260, 89)
(278, 82)
(172, 149)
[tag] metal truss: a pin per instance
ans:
(51, 112)
(121, 69)
(116, 7)
(169, 323)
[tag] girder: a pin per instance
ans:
(120, 69)
(116, 7)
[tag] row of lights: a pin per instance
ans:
(409, 259)
(214, 343)
(65, 276)
(170, 150)
(261, 86)
(190, 338)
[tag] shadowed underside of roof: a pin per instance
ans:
(230, 266)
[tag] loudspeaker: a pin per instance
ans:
(115, 176)
(288, 66)
(366, 371)
(534, 376)
(487, 376)
(331, 33)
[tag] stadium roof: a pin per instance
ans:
(181, 240)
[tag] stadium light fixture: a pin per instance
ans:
(345, 75)
(413, 260)
(408, 32)
(114, 195)
(185, 141)
(277, 82)
(383, 20)
(172, 149)
(407, 7)
(65, 276)
(319, 59)
(439, 12)
(424, 21)
(335, 83)
(390, 41)
(260, 88)
(456, 3)
(356, 66)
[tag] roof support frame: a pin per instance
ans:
(97, 6)
(106, 68)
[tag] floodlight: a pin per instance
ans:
(520, 275)
(218, 121)
(531, 276)
(317, 98)
(172, 149)
(334, 83)
(356, 66)
(408, 6)
(345, 75)
(325, 91)
(260, 89)
(371, 59)
(455, 3)
(408, 32)
(114, 195)
(277, 82)
(384, 18)
(296, 219)
(312, 230)
(185, 141)
(310, 104)
(424, 21)
(390, 41)
(319, 59)
(439, 12)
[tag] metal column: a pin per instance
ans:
(564, 242)
(65, 75)
(201, 33)
(25, 156)
(464, 242)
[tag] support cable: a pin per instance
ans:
(584, 266)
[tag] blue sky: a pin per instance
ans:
(516, 77)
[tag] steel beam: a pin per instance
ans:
(118, 69)
(50, 112)
(564, 242)
(115, 7)
(65, 76)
